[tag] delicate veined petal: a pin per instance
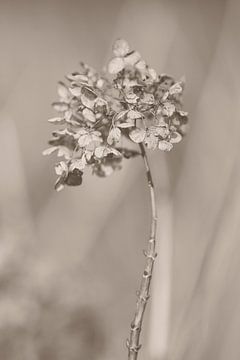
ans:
(165, 145)
(50, 150)
(141, 65)
(100, 151)
(114, 136)
(59, 185)
(121, 48)
(137, 135)
(76, 91)
(77, 77)
(127, 124)
(115, 65)
(133, 114)
(60, 106)
(132, 58)
(84, 140)
(57, 120)
(151, 141)
(63, 151)
(89, 115)
(148, 99)
(121, 114)
(61, 168)
(152, 73)
(131, 98)
(175, 89)
(88, 97)
(115, 152)
(183, 113)
(168, 109)
(162, 131)
(79, 164)
(63, 91)
(175, 137)
(88, 154)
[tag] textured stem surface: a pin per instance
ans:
(133, 343)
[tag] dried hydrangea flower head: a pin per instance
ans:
(100, 115)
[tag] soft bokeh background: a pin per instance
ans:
(70, 263)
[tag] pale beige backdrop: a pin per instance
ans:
(70, 262)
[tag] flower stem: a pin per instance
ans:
(133, 343)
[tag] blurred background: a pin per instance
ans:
(70, 262)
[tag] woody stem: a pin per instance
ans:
(133, 343)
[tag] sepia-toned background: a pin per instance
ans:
(70, 262)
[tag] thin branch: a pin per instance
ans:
(133, 343)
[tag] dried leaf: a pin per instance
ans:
(74, 177)
(137, 135)
(115, 65)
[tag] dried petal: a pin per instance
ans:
(121, 48)
(78, 164)
(152, 73)
(175, 137)
(89, 115)
(168, 109)
(115, 65)
(175, 89)
(151, 141)
(141, 65)
(133, 114)
(165, 145)
(88, 97)
(57, 120)
(60, 106)
(137, 135)
(63, 91)
(127, 124)
(61, 168)
(131, 98)
(50, 150)
(76, 91)
(114, 136)
(132, 58)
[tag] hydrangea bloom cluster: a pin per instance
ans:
(101, 114)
